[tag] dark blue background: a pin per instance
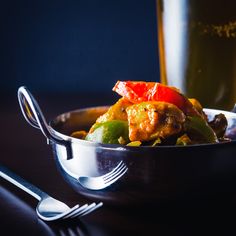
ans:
(77, 45)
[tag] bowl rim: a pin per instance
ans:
(123, 147)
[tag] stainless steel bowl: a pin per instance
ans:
(155, 174)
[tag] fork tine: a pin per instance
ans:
(74, 211)
(122, 166)
(117, 175)
(78, 213)
(111, 172)
(92, 209)
(74, 208)
(115, 178)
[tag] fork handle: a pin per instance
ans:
(6, 174)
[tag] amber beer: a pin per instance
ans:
(197, 49)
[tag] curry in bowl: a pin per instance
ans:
(153, 114)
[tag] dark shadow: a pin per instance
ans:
(26, 222)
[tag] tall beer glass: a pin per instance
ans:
(197, 49)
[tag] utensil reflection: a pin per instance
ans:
(72, 228)
(27, 220)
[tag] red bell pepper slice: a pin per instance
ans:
(140, 91)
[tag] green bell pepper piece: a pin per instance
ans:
(109, 132)
(197, 125)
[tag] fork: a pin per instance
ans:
(103, 181)
(48, 208)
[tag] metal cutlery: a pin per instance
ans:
(48, 208)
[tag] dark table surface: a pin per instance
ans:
(25, 152)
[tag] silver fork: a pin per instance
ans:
(103, 181)
(48, 208)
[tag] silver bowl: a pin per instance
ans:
(155, 174)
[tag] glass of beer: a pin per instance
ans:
(197, 49)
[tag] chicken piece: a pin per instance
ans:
(152, 120)
(116, 111)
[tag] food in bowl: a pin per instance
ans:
(153, 114)
(156, 175)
